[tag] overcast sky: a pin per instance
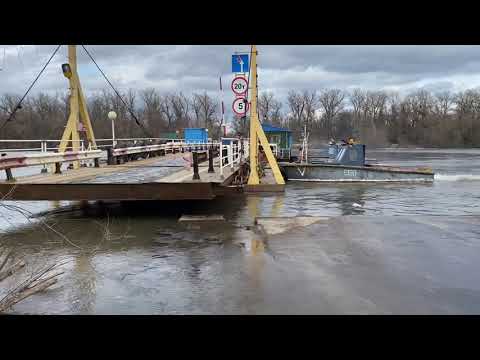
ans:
(281, 68)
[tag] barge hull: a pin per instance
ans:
(341, 173)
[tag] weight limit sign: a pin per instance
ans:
(240, 106)
(239, 85)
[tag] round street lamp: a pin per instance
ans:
(112, 115)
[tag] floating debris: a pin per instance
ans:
(163, 234)
(278, 225)
(201, 218)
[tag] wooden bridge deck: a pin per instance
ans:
(159, 178)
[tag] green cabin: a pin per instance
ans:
(169, 135)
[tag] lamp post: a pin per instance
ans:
(112, 115)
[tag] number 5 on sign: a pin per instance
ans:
(240, 106)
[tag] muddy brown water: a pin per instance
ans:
(386, 248)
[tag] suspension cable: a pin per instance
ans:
(117, 93)
(19, 104)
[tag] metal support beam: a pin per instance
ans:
(256, 131)
(78, 111)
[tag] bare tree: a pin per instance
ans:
(296, 106)
(468, 116)
(269, 109)
(180, 106)
(331, 103)
(205, 109)
(420, 105)
(357, 99)
(152, 110)
(166, 109)
(310, 99)
(443, 103)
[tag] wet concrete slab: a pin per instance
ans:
(383, 264)
(278, 225)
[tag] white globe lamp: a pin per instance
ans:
(112, 115)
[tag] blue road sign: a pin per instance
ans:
(240, 63)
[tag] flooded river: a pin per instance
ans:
(383, 249)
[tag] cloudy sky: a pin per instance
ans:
(281, 68)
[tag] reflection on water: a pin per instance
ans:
(351, 200)
(83, 287)
(136, 258)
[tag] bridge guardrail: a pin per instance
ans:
(120, 155)
(231, 154)
(8, 163)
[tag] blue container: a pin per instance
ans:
(333, 151)
(196, 135)
(351, 155)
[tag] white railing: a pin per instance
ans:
(170, 147)
(44, 145)
(274, 148)
(108, 143)
(233, 152)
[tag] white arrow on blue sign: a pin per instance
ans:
(240, 63)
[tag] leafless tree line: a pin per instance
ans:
(375, 117)
(380, 117)
(44, 116)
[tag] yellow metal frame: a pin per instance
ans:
(78, 111)
(256, 132)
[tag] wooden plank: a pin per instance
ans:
(103, 184)
(91, 192)
(90, 172)
(185, 218)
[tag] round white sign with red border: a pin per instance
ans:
(239, 85)
(240, 106)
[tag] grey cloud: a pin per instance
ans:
(440, 86)
(281, 68)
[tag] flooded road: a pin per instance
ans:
(383, 249)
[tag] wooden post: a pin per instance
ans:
(210, 160)
(196, 176)
(9, 175)
(110, 158)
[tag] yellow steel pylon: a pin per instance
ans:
(256, 132)
(78, 108)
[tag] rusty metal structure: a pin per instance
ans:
(139, 172)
